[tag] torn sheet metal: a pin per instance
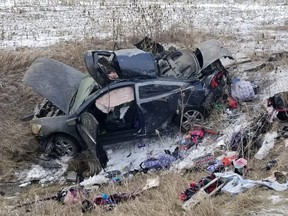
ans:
(212, 50)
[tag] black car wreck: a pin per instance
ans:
(124, 96)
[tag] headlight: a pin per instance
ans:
(35, 128)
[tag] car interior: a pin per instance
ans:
(116, 110)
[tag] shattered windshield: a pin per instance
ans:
(86, 87)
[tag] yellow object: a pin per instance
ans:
(35, 128)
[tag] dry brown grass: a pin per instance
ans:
(18, 147)
(159, 201)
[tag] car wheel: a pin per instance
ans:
(65, 145)
(191, 115)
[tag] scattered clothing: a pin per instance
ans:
(161, 162)
(237, 184)
(75, 195)
(215, 166)
(195, 187)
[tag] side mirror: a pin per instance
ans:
(72, 122)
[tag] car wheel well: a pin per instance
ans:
(68, 137)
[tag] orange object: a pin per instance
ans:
(228, 160)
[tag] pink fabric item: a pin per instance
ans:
(71, 197)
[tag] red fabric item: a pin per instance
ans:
(232, 103)
(193, 184)
(182, 197)
(199, 133)
(215, 81)
(211, 188)
(98, 200)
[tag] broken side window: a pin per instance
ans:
(152, 90)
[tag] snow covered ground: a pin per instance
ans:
(253, 26)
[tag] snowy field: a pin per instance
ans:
(252, 25)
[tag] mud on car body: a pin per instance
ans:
(81, 111)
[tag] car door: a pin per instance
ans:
(157, 101)
(87, 128)
(116, 111)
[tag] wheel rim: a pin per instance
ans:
(64, 147)
(190, 117)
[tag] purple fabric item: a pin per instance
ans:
(243, 91)
(162, 161)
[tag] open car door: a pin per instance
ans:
(87, 129)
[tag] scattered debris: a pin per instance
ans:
(271, 164)
(162, 161)
(240, 166)
(197, 192)
(75, 195)
(236, 184)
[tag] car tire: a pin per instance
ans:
(191, 115)
(65, 145)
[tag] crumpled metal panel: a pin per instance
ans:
(53, 80)
(212, 50)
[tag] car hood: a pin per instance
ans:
(53, 80)
(212, 50)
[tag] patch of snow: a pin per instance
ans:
(275, 199)
(187, 163)
(128, 156)
(43, 175)
(267, 145)
(286, 142)
(97, 179)
(278, 81)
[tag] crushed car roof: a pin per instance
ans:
(135, 61)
